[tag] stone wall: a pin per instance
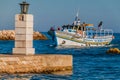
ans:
(10, 35)
(34, 64)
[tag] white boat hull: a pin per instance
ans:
(65, 42)
(68, 41)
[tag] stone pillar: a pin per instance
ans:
(23, 35)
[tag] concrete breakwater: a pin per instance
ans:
(34, 63)
(10, 35)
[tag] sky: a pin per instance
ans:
(48, 13)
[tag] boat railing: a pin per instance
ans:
(102, 33)
(108, 36)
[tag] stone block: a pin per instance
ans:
(23, 37)
(23, 44)
(22, 30)
(23, 51)
(23, 24)
(24, 17)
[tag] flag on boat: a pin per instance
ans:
(100, 24)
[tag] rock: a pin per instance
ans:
(10, 35)
(113, 50)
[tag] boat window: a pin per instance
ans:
(79, 28)
(89, 33)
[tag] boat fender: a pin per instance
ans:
(113, 37)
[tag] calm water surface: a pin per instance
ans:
(88, 63)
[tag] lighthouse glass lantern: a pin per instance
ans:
(24, 7)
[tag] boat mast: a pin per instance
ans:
(76, 18)
(76, 21)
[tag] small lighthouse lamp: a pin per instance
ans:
(24, 7)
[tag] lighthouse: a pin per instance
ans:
(24, 31)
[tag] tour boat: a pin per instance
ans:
(79, 34)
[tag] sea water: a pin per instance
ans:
(91, 63)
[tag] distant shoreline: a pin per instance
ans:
(10, 35)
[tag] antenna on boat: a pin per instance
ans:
(77, 14)
(76, 18)
(76, 21)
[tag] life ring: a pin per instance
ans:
(63, 42)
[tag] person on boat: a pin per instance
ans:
(52, 32)
(79, 32)
(52, 29)
(94, 36)
(77, 35)
(58, 29)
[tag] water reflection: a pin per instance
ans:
(54, 75)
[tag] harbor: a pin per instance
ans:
(44, 40)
